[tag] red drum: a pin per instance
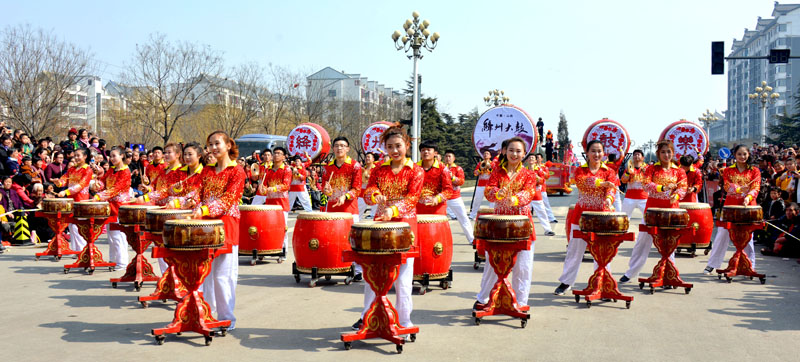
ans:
(613, 135)
(568, 225)
(701, 219)
(308, 137)
(436, 247)
(261, 229)
(319, 240)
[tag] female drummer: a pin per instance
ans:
(395, 186)
(76, 181)
(742, 183)
(666, 185)
(171, 175)
(181, 192)
(597, 185)
(114, 188)
(221, 188)
(511, 188)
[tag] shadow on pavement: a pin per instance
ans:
(308, 340)
(112, 302)
(80, 284)
(765, 310)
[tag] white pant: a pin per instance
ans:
(639, 254)
(617, 201)
(573, 259)
(304, 200)
(162, 265)
(460, 211)
(520, 281)
(219, 288)
(546, 200)
(118, 248)
(629, 204)
(402, 289)
(358, 270)
(476, 202)
(76, 241)
(362, 206)
(259, 200)
(286, 232)
(541, 214)
(720, 246)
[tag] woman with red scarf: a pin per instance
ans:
(395, 186)
(742, 182)
(511, 188)
(665, 184)
(597, 185)
(76, 181)
(114, 188)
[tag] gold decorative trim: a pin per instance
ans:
(323, 270)
(431, 219)
(381, 225)
(249, 252)
(694, 206)
(324, 216)
(504, 217)
(169, 212)
(193, 222)
(381, 251)
(608, 213)
(260, 208)
(313, 244)
(140, 207)
(193, 247)
(436, 276)
(664, 209)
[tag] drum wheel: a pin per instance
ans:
(66, 270)
(728, 279)
(348, 345)
(475, 265)
(444, 284)
(208, 340)
(577, 298)
(348, 280)
(588, 304)
(160, 339)
(37, 257)
(627, 304)
(687, 290)
(477, 321)
(114, 285)
(412, 337)
(137, 286)
(144, 304)
(763, 280)
(399, 348)
(327, 277)
(297, 278)
(524, 322)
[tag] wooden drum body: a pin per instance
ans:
(155, 218)
(56, 205)
(134, 214)
(666, 217)
(742, 214)
(261, 229)
(381, 237)
(503, 228)
(701, 219)
(435, 245)
(480, 249)
(603, 222)
(319, 239)
(191, 235)
(91, 209)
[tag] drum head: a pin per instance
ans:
(314, 215)
(377, 225)
(694, 205)
(431, 219)
(260, 208)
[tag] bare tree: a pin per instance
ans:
(168, 80)
(239, 104)
(36, 72)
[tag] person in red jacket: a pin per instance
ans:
(221, 189)
(454, 202)
(742, 182)
(635, 195)
(665, 184)
(438, 184)
(511, 188)
(341, 181)
(76, 181)
(153, 170)
(537, 203)
(115, 189)
(694, 178)
(275, 186)
(297, 188)
(395, 186)
(597, 185)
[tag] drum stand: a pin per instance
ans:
(602, 285)
(260, 255)
(425, 280)
(59, 245)
(168, 286)
(665, 273)
(317, 273)
(90, 257)
(192, 314)
(380, 321)
(478, 257)
(739, 263)
(502, 299)
(138, 270)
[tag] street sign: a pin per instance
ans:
(724, 153)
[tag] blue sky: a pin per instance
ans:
(643, 63)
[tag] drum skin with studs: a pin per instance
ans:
(604, 222)
(190, 235)
(742, 214)
(134, 214)
(381, 237)
(503, 228)
(91, 209)
(56, 205)
(666, 217)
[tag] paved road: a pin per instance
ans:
(48, 315)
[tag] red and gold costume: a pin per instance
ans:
(161, 189)
(519, 192)
(656, 177)
(344, 180)
(402, 190)
(277, 181)
(219, 195)
(457, 178)
(365, 172)
(614, 166)
(299, 179)
(635, 183)
(77, 180)
(735, 181)
(116, 184)
(153, 171)
(438, 186)
(483, 174)
(592, 196)
(694, 178)
(186, 189)
(542, 173)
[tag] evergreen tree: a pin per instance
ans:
(563, 135)
(787, 130)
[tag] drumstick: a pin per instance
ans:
(784, 231)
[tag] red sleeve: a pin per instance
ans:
(458, 175)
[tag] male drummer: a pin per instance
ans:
(153, 170)
(438, 184)
(297, 189)
(341, 183)
(454, 203)
(537, 203)
(483, 170)
(635, 195)
(276, 187)
(266, 164)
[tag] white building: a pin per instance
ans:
(782, 31)
(718, 131)
(339, 88)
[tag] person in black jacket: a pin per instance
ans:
(785, 242)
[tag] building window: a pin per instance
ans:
(780, 69)
(782, 27)
(331, 92)
(357, 82)
(780, 82)
(781, 42)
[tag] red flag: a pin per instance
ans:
(295, 85)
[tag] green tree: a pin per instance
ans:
(788, 128)
(563, 135)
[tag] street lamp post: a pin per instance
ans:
(762, 96)
(496, 98)
(417, 37)
(708, 118)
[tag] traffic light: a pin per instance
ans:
(779, 56)
(717, 57)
